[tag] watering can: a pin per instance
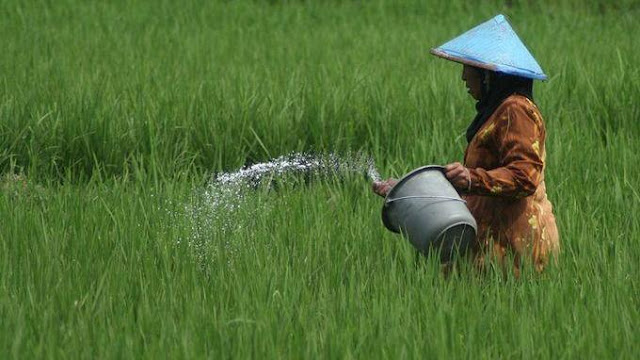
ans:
(428, 211)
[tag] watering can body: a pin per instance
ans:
(428, 211)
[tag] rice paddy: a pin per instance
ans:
(118, 119)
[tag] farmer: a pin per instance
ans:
(502, 178)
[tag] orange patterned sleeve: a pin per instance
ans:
(518, 136)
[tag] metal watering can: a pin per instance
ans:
(428, 211)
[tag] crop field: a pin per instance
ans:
(116, 117)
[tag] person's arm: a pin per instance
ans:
(383, 187)
(519, 137)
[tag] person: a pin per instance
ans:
(502, 177)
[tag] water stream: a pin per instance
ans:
(223, 205)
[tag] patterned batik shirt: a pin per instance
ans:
(507, 195)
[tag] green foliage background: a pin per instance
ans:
(113, 114)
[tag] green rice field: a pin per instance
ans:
(115, 115)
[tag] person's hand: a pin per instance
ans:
(459, 176)
(383, 187)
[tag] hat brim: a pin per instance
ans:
(442, 54)
(497, 68)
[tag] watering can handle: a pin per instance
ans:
(425, 197)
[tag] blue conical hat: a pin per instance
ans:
(495, 46)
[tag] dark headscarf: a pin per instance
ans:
(500, 86)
